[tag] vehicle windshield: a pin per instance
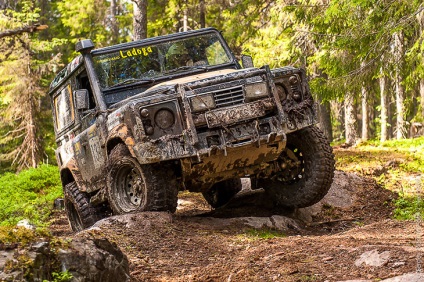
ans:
(145, 63)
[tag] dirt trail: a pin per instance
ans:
(198, 244)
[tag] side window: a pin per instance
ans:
(84, 83)
(64, 108)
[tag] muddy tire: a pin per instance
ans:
(134, 187)
(222, 192)
(81, 214)
(307, 170)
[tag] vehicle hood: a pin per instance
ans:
(195, 77)
(163, 87)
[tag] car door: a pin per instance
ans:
(89, 151)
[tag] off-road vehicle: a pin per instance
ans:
(137, 122)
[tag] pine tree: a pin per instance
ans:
(21, 87)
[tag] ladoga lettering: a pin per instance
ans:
(135, 52)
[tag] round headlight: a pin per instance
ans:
(164, 118)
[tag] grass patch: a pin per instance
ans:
(263, 234)
(397, 165)
(29, 195)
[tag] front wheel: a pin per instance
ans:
(81, 214)
(134, 187)
(304, 170)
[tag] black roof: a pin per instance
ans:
(153, 40)
(73, 66)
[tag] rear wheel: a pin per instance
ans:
(304, 171)
(134, 187)
(81, 214)
(222, 192)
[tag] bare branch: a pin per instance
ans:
(13, 131)
(26, 29)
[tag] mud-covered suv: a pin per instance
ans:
(137, 122)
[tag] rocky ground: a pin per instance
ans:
(349, 235)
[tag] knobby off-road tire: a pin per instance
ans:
(307, 175)
(222, 192)
(81, 214)
(134, 187)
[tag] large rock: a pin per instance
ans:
(85, 258)
(373, 258)
(340, 195)
(408, 277)
(94, 260)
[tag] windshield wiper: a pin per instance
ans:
(187, 68)
(133, 80)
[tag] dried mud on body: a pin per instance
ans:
(349, 235)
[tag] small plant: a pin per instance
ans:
(409, 208)
(63, 276)
(359, 223)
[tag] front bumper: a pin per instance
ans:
(210, 142)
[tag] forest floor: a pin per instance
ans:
(358, 241)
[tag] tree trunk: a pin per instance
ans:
(351, 132)
(113, 22)
(32, 135)
(422, 95)
(365, 114)
(337, 109)
(324, 116)
(202, 14)
(384, 106)
(391, 122)
(399, 89)
(140, 19)
(365, 119)
(420, 18)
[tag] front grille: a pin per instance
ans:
(229, 96)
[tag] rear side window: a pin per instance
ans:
(64, 108)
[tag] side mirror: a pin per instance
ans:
(246, 61)
(81, 99)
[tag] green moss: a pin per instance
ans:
(29, 195)
(13, 235)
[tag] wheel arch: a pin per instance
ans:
(66, 176)
(71, 173)
(120, 135)
(112, 143)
